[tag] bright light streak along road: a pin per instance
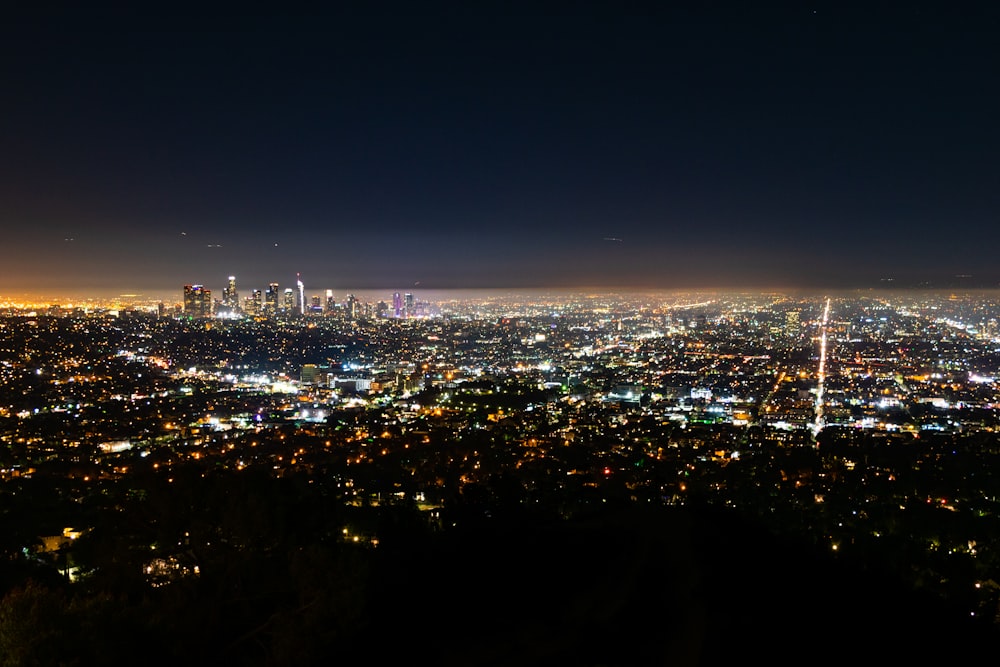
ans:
(818, 426)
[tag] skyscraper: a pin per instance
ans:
(288, 305)
(792, 326)
(397, 305)
(197, 301)
(330, 303)
(229, 298)
(271, 300)
(302, 294)
(254, 304)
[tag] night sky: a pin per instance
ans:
(724, 144)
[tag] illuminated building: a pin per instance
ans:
(197, 301)
(408, 305)
(792, 327)
(288, 304)
(253, 302)
(309, 374)
(229, 298)
(271, 300)
(330, 304)
(302, 294)
(397, 305)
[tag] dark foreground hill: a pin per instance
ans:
(648, 588)
(624, 587)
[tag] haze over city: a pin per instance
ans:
(788, 145)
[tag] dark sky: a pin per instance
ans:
(723, 144)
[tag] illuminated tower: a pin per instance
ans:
(288, 304)
(254, 304)
(302, 294)
(792, 326)
(271, 300)
(408, 304)
(397, 305)
(197, 301)
(330, 304)
(229, 298)
(192, 299)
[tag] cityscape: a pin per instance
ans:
(500, 334)
(162, 455)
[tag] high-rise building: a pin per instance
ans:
(229, 297)
(192, 299)
(288, 305)
(408, 305)
(792, 326)
(271, 300)
(397, 305)
(352, 307)
(302, 294)
(254, 305)
(197, 301)
(330, 303)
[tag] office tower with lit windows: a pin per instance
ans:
(271, 300)
(197, 301)
(288, 304)
(408, 305)
(397, 305)
(254, 304)
(229, 298)
(792, 323)
(330, 303)
(352, 307)
(302, 294)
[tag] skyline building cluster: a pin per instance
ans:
(276, 301)
(197, 301)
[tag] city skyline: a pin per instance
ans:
(346, 331)
(821, 145)
(961, 285)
